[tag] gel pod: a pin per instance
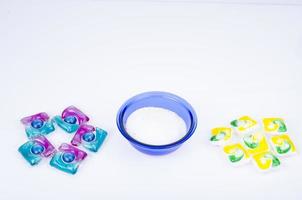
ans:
(89, 137)
(244, 124)
(274, 125)
(38, 124)
(266, 161)
(68, 158)
(71, 119)
(34, 150)
(221, 135)
(255, 143)
(236, 153)
(283, 145)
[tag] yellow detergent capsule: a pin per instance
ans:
(283, 145)
(236, 153)
(244, 125)
(255, 143)
(274, 125)
(221, 135)
(266, 161)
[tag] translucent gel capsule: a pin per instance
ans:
(34, 150)
(274, 125)
(255, 143)
(236, 153)
(68, 158)
(282, 145)
(266, 161)
(244, 125)
(71, 119)
(38, 124)
(89, 137)
(221, 135)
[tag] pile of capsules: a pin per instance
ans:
(264, 143)
(68, 157)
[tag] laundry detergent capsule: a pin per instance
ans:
(255, 143)
(266, 161)
(274, 125)
(221, 135)
(282, 145)
(244, 124)
(236, 153)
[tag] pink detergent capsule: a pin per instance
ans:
(37, 124)
(89, 137)
(71, 119)
(37, 148)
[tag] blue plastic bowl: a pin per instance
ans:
(162, 100)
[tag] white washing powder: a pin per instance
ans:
(155, 126)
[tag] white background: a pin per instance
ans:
(226, 59)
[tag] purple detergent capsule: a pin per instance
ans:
(71, 119)
(68, 158)
(34, 150)
(89, 137)
(38, 124)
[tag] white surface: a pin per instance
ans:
(226, 60)
(163, 127)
